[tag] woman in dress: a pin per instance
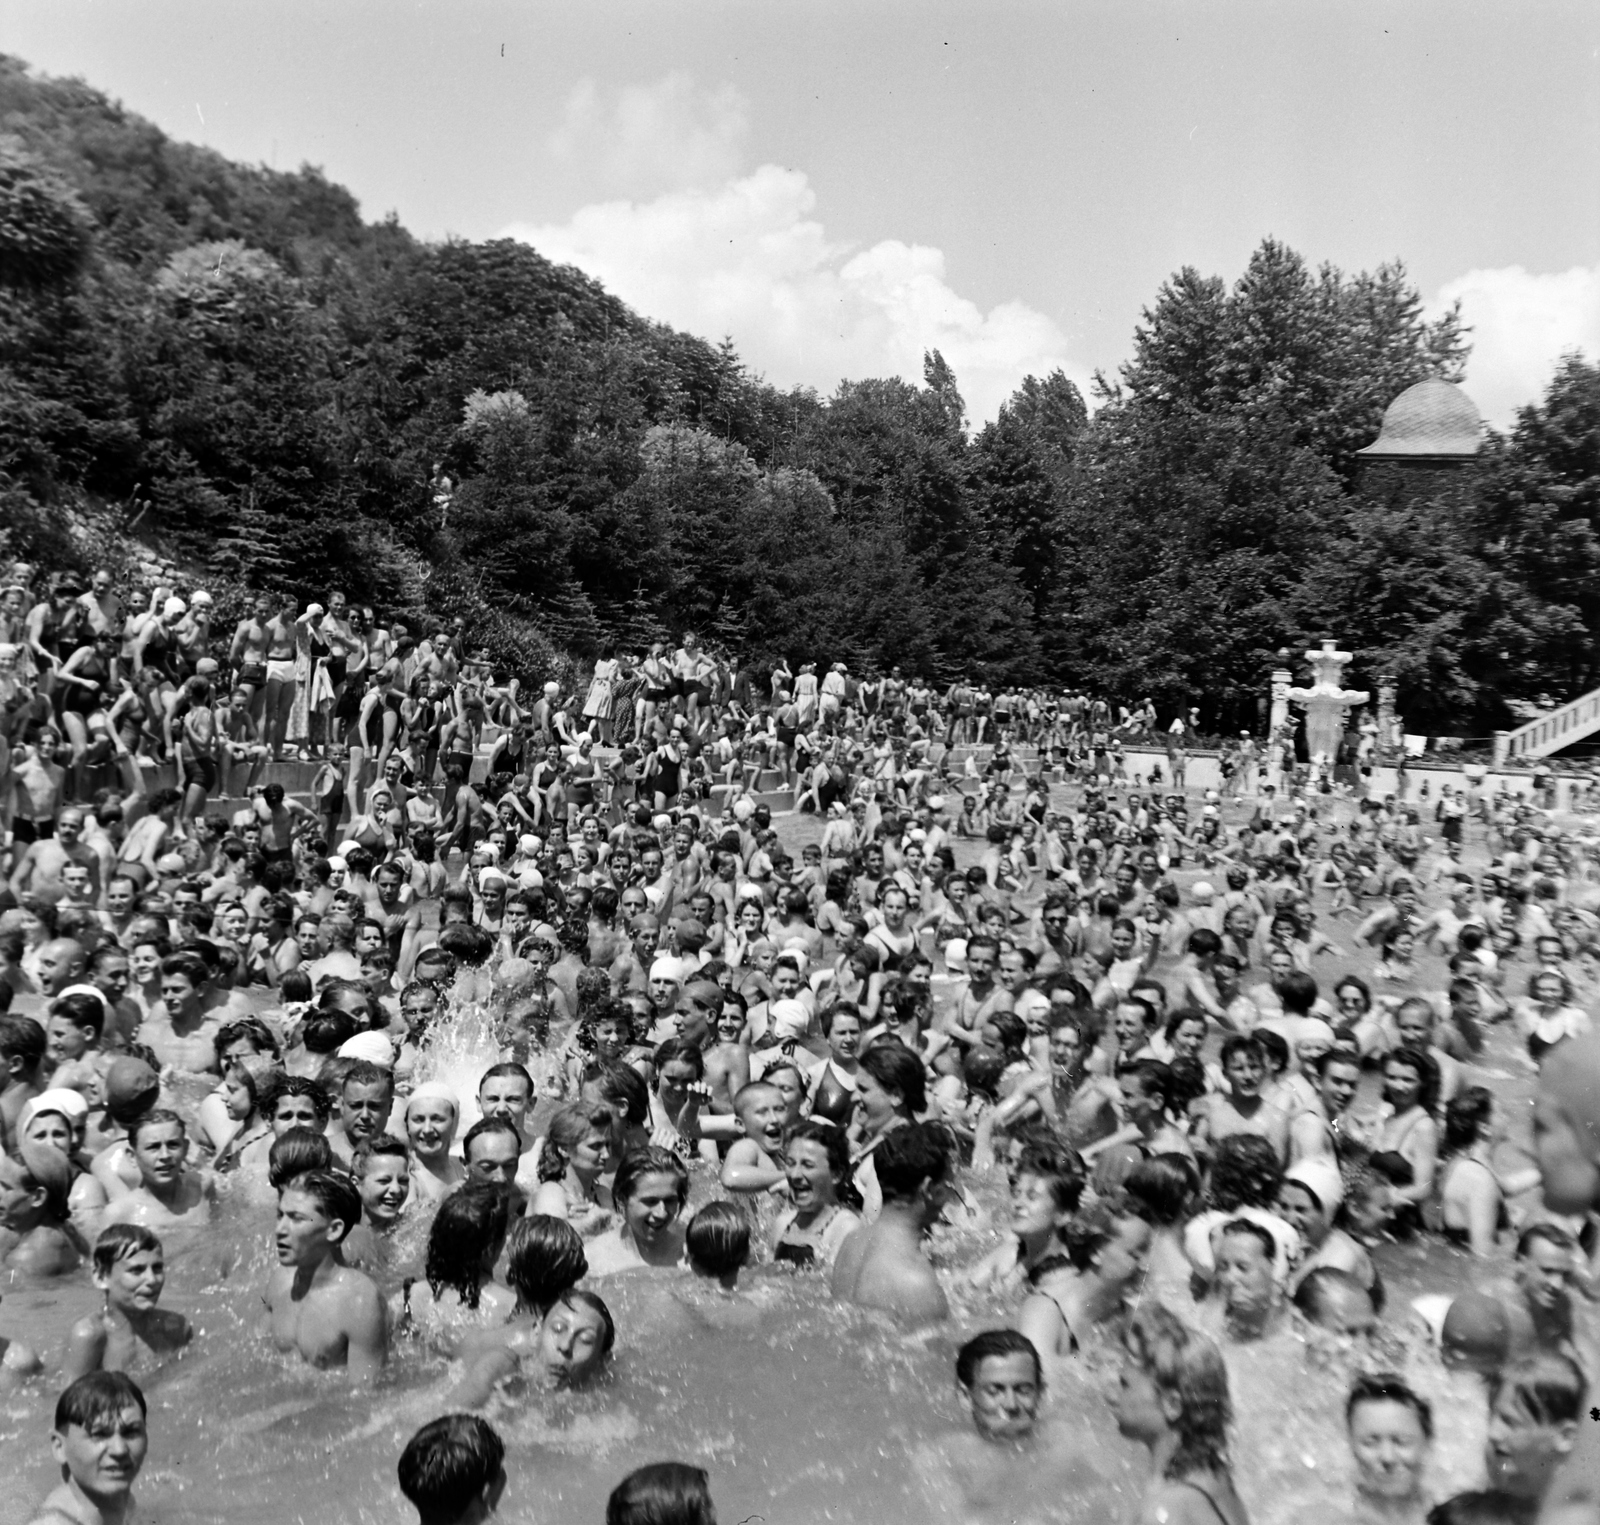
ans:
(597, 707)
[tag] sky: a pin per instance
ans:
(839, 187)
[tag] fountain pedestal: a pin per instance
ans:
(1325, 703)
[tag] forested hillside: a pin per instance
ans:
(241, 366)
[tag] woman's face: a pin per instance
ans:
(673, 1086)
(1352, 1004)
(593, 1150)
(1033, 1206)
(1303, 1213)
(430, 1125)
(1390, 1448)
(1189, 1039)
(1401, 1085)
(1136, 1404)
(53, 1129)
(787, 1083)
(1547, 990)
(810, 1175)
(844, 1036)
(237, 1099)
(876, 1105)
(652, 1208)
(571, 1344)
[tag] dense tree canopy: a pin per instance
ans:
(278, 390)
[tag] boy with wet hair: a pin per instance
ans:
(130, 1270)
(99, 1440)
(452, 1471)
(329, 1313)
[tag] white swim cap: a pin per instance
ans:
(790, 1020)
(955, 955)
(173, 606)
(1203, 891)
(375, 1048)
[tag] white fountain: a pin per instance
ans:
(1326, 703)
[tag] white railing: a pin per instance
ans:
(1549, 733)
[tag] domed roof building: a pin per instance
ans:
(1433, 423)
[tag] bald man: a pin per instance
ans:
(61, 962)
(1566, 1127)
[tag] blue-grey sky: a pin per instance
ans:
(842, 185)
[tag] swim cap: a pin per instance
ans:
(1203, 893)
(1030, 1002)
(955, 955)
(531, 879)
(375, 1048)
(1321, 1178)
(173, 606)
(129, 1083)
(93, 990)
(743, 808)
(528, 844)
(666, 967)
(1475, 1333)
(790, 1020)
(433, 1090)
(69, 1104)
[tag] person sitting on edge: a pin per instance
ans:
(882, 1264)
(452, 1471)
(99, 1441)
(330, 1314)
(130, 1331)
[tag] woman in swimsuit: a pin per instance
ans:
(1173, 1397)
(84, 685)
(1472, 1199)
(817, 1167)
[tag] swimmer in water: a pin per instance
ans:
(882, 1264)
(664, 1493)
(130, 1332)
(167, 1196)
(17, 1363)
(328, 1313)
(544, 1261)
(99, 1441)
(452, 1471)
(817, 1167)
(1011, 1458)
(755, 1160)
(36, 1233)
(1173, 1398)
(383, 1182)
(1391, 1430)
(650, 1191)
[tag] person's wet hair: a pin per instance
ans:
(447, 1465)
(909, 1157)
(718, 1239)
(117, 1241)
(295, 1153)
(1161, 1189)
(544, 1260)
(465, 1238)
(663, 1493)
(990, 1344)
(96, 1398)
(1389, 1387)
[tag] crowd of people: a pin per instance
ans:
(1007, 990)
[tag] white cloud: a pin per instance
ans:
(748, 258)
(645, 139)
(1521, 326)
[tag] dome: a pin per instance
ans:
(1431, 421)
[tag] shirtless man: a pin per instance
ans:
(248, 655)
(39, 870)
(882, 1264)
(330, 1314)
(167, 1196)
(277, 816)
(1010, 1459)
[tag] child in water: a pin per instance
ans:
(130, 1332)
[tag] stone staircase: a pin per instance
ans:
(1564, 727)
